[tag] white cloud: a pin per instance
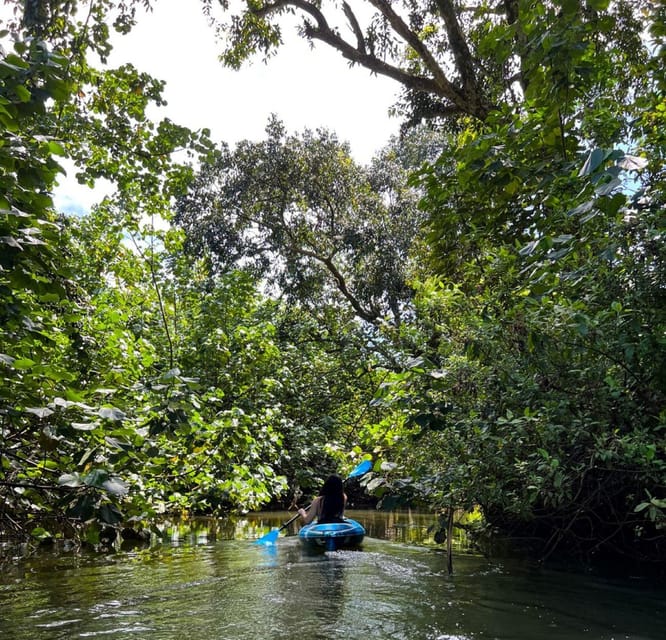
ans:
(74, 198)
(306, 87)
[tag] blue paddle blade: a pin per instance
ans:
(362, 468)
(270, 538)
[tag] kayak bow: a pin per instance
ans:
(332, 535)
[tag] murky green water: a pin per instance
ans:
(195, 587)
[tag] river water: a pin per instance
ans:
(213, 582)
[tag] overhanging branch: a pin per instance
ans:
(465, 99)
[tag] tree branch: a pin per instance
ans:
(353, 22)
(511, 10)
(439, 85)
(461, 52)
(371, 315)
(446, 88)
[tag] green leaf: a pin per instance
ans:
(633, 163)
(56, 148)
(608, 187)
(23, 363)
(594, 159)
(111, 413)
(110, 514)
(86, 456)
(91, 533)
(41, 534)
(375, 483)
(22, 93)
(96, 478)
(40, 412)
(84, 426)
(115, 486)
(389, 503)
(83, 508)
(70, 480)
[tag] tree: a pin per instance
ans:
(300, 213)
(100, 423)
(415, 51)
(515, 350)
(35, 281)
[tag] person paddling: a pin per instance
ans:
(329, 505)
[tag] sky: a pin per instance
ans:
(306, 88)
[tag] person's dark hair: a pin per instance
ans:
(334, 501)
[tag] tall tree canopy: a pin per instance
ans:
(299, 212)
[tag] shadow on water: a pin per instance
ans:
(202, 583)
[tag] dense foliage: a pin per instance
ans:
(537, 386)
(500, 346)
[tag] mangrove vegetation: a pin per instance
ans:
(480, 310)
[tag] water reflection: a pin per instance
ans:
(407, 527)
(269, 555)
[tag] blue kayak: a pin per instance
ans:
(333, 535)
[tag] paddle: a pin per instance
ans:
(272, 536)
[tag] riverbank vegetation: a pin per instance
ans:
(481, 309)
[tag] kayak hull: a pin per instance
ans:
(333, 535)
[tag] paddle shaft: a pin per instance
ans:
(298, 515)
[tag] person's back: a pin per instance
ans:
(331, 511)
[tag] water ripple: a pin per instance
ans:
(233, 591)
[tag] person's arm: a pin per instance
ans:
(308, 517)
